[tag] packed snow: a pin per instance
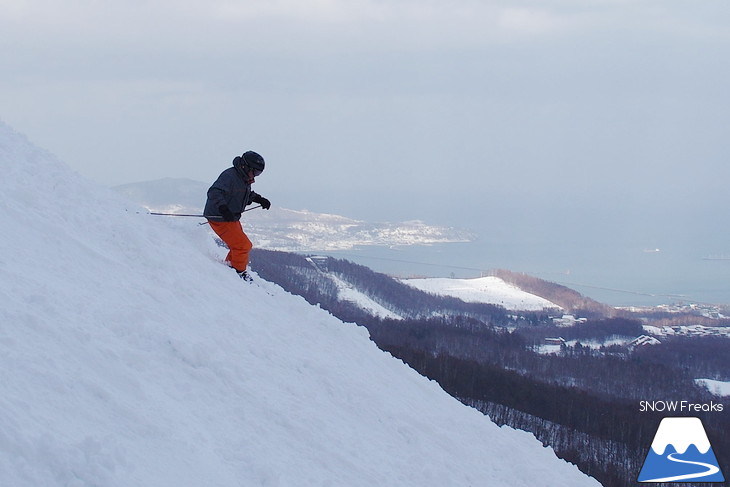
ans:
(489, 289)
(130, 356)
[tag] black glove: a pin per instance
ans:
(226, 213)
(265, 204)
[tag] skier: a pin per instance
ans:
(227, 198)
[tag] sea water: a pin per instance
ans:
(617, 273)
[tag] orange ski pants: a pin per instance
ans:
(239, 245)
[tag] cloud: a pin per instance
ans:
(189, 22)
(152, 36)
(530, 21)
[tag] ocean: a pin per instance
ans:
(618, 274)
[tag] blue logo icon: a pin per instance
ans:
(681, 452)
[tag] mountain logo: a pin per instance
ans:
(681, 452)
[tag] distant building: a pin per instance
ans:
(643, 341)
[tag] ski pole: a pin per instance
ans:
(212, 217)
(181, 214)
(197, 216)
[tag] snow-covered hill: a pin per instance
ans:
(490, 289)
(129, 356)
(293, 230)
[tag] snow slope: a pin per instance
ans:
(490, 290)
(129, 356)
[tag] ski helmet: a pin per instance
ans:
(253, 161)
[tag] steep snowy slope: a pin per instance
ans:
(129, 356)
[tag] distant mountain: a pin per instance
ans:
(356, 293)
(293, 230)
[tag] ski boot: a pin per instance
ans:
(244, 275)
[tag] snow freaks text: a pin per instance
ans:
(680, 407)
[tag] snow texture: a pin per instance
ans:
(129, 356)
(490, 290)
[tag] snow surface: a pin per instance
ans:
(129, 356)
(490, 290)
(718, 388)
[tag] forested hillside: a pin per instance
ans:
(558, 294)
(583, 402)
(314, 280)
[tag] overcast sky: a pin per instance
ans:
(457, 111)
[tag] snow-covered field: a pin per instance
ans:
(719, 388)
(490, 289)
(129, 356)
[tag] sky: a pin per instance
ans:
(564, 116)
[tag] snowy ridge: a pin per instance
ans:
(293, 230)
(490, 290)
(130, 357)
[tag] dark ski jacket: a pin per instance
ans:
(229, 189)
